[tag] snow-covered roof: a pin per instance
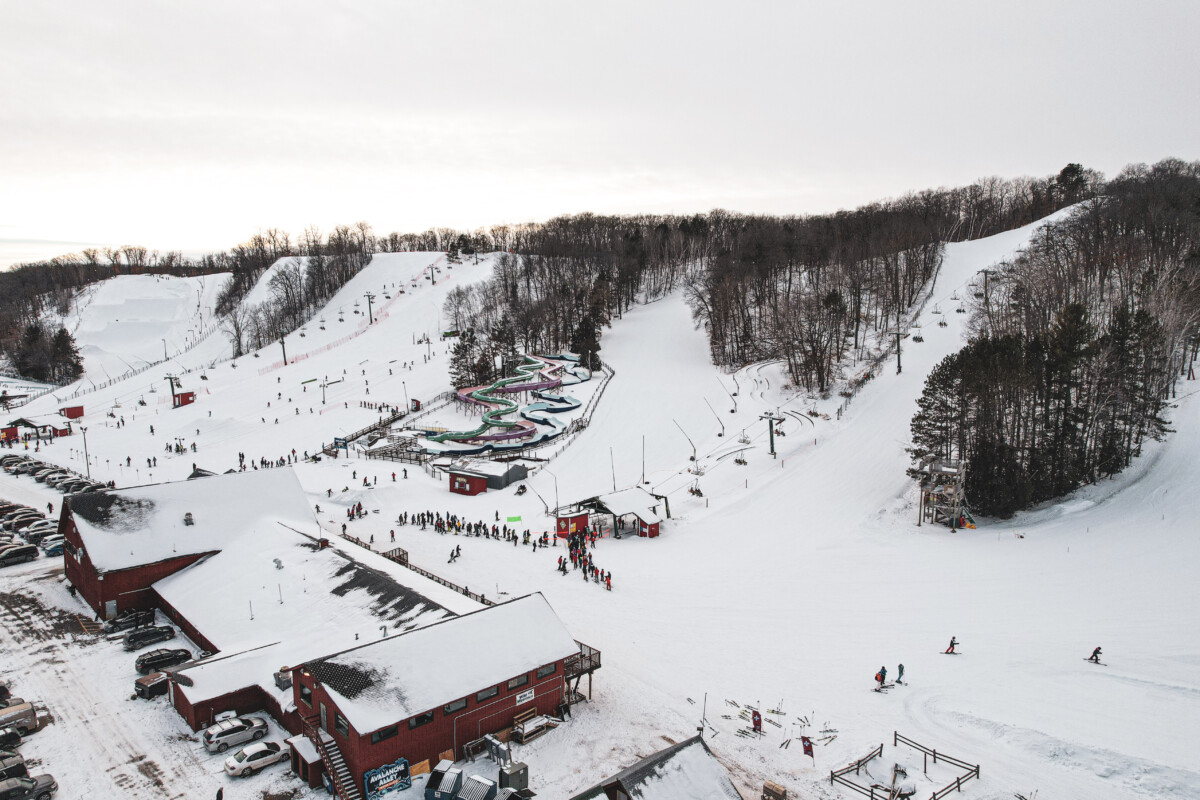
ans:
(685, 771)
(636, 501)
(123, 528)
(271, 599)
(378, 684)
(492, 468)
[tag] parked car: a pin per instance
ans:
(22, 523)
(13, 766)
(10, 738)
(157, 660)
(21, 718)
(39, 787)
(53, 550)
(72, 485)
(26, 467)
(137, 639)
(43, 474)
(10, 701)
(36, 535)
(250, 760)
(5, 691)
(18, 555)
(51, 538)
(56, 479)
(128, 620)
(224, 734)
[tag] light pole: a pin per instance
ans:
(164, 341)
(552, 475)
(85, 453)
(407, 405)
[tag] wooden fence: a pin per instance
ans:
(971, 770)
(836, 776)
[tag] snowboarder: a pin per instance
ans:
(900, 674)
(953, 644)
(1095, 656)
(405, 473)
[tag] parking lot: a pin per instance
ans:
(94, 737)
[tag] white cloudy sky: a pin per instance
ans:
(192, 124)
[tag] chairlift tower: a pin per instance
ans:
(771, 419)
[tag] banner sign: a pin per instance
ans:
(388, 778)
(338, 441)
(525, 696)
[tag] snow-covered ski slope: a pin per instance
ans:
(792, 579)
(124, 323)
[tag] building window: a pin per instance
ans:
(340, 725)
(518, 682)
(487, 694)
(385, 733)
(306, 695)
(549, 669)
(420, 719)
(457, 705)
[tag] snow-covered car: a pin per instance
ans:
(39, 787)
(226, 733)
(250, 760)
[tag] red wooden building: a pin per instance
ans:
(71, 412)
(467, 482)
(423, 695)
(118, 543)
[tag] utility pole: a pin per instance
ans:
(710, 408)
(370, 316)
(407, 405)
(86, 460)
(284, 346)
(771, 420)
(164, 341)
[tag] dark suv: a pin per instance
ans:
(18, 555)
(141, 637)
(128, 620)
(13, 766)
(39, 787)
(156, 660)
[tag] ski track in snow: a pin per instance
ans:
(791, 580)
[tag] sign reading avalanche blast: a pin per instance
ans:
(388, 778)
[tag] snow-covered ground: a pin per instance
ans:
(786, 585)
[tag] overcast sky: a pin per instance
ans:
(190, 125)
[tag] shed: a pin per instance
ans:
(467, 482)
(71, 412)
(499, 474)
(181, 399)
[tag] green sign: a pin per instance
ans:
(514, 519)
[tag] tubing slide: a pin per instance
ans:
(538, 374)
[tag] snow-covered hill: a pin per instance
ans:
(787, 583)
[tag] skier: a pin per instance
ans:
(953, 643)
(1095, 656)
(882, 676)
(393, 536)
(343, 529)
(50, 510)
(900, 674)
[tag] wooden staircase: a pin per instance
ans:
(344, 785)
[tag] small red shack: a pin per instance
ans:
(466, 482)
(71, 412)
(573, 523)
(184, 399)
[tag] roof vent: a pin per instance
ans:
(187, 519)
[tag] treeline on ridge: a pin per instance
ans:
(1076, 346)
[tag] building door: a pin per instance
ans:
(324, 722)
(110, 609)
